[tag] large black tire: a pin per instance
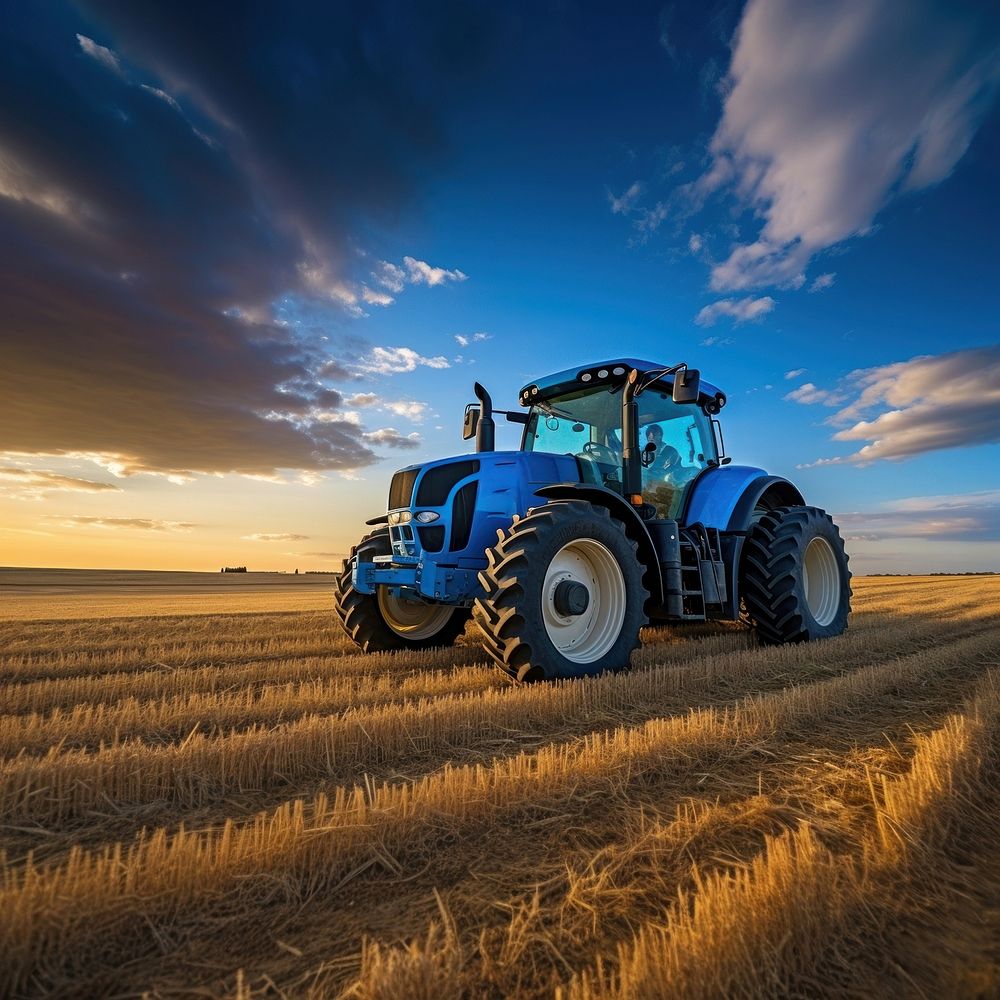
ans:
(796, 584)
(363, 618)
(514, 612)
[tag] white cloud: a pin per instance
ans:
(795, 373)
(465, 339)
(21, 182)
(624, 204)
(133, 523)
(739, 310)
(308, 477)
(650, 220)
(822, 281)
(394, 279)
(716, 341)
(103, 55)
(927, 404)
(34, 484)
(390, 276)
(695, 243)
(668, 46)
(277, 536)
(392, 360)
(120, 466)
(831, 110)
(376, 298)
(807, 393)
(162, 95)
(318, 278)
(419, 272)
(409, 408)
(952, 517)
(362, 399)
(392, 438)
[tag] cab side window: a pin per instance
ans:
(684, 448)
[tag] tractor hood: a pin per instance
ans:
(472, 496)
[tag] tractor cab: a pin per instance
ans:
(580, 413)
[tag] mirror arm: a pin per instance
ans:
(514, 416)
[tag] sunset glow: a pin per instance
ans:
(252, 266)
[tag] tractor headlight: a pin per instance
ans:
(426, 516)
(399, 517)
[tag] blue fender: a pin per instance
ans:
(724, 497)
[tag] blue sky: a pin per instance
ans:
(800, 199)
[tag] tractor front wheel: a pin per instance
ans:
(564, 594)
(384, 621)
(796, 585)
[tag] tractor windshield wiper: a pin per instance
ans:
(554, 411)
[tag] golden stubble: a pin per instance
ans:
(222, 802)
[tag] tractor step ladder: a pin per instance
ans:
(691, 585)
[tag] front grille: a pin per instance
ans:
(431, 539)
(401, 489)
(461, 516)
(438, 482)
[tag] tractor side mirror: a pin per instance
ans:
(687, 385)
(471, 422)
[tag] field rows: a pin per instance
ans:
(722, 820)
(228, 699)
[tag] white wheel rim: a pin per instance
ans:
(412, 619)
(587, 637)
(821, 580)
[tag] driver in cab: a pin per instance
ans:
(662, 474)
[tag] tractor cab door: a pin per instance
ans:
(684, 446)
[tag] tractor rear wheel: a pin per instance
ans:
(796, 584)
(383, 621)
(564, 594)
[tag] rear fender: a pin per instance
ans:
(727, 498)
(625, 512)
(767, 493)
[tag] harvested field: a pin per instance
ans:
(239, 804)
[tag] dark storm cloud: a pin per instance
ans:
(167, 174)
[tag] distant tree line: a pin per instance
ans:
(985, 572)
(233, 569)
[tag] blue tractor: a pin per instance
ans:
(619, 509)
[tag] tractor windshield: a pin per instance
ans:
(588, 425)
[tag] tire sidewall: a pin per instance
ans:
(611, 535)
(384, 637)
(821, 526)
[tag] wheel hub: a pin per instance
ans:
(583, 575)
(821, 580)
(412, 619)
(571, 598)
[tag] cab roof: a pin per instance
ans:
(614, 373)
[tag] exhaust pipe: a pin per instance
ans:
(486, 431)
